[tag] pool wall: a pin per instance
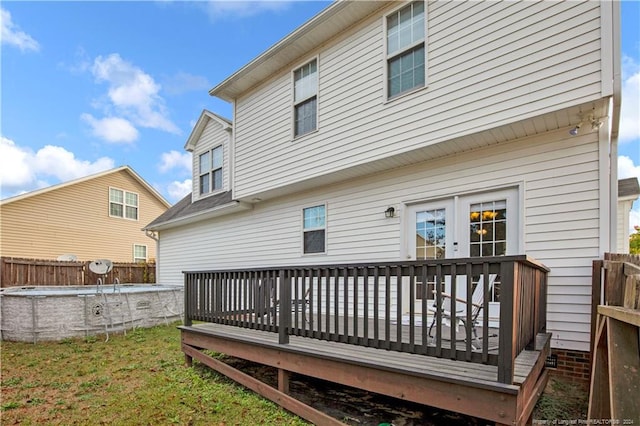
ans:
(45, 313)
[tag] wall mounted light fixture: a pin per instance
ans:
(390, 212)
(574, 130)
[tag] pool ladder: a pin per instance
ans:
(117, 301)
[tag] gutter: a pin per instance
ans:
(217, 211)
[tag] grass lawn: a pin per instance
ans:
(137, 379)
(141, 379)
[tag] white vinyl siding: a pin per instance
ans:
(559, 181)
(489, 63)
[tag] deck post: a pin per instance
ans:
(283, 381)
(187, 306)
(284, 318)
(506, 347)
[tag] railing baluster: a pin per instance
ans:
(454, 314)
(343, 300)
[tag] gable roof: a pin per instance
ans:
(185, 211)
(628, 188)
(332, 21)
(201, 124)
(127, 169)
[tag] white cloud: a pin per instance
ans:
(630, 108)
(23, 170)
(242, 8)
(626, 168)
(178, 190)
(134, 97)
(13, 36)
(175, 160)
(112, 129)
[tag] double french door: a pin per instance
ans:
(478, 225)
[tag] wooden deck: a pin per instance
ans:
(368, 326)
(464, 387)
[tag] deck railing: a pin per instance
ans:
(391, 305)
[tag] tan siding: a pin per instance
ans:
(489, 63)
(558, 174)
(75, 219)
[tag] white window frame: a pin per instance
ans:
(146, 253)
(388, 57)
(318, 228)
(125, 204)
(295, 104)
(210, 172)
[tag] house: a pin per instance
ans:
(628, 193)
(385, 133)
(100, 216)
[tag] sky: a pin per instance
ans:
(86, 86)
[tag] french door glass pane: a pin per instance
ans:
(488, 229)
(430, 234)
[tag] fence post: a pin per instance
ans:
(284, 320)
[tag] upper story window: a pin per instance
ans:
(211, 170)
(406, 49)
(123, 204)
(314, 229)
(305, 98)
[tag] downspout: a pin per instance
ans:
(615, 122)
(154, 235)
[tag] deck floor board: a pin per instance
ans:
(413, 364)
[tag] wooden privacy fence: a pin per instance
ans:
(38, 272)
(615, 377)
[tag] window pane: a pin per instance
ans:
(132, 199)
(205, 163)
(430, 234)
(488, 228)
(115, 209)
(217, 179)
(314, 217)
(204, 183)
(139, 252)
(115, 195)
(314, 241)
(131, 212)
(406, 71)
(305, 117)
(305, 82)
(217, 157)
(405, 27)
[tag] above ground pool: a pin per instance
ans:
(39, 313)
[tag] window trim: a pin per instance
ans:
(294, 104)
(146, 253)
(324, 228)
(387, 57)
(124, 204)
(210, 172)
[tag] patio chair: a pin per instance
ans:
(460, 305)
(268, 302)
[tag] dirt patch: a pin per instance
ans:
(354, 406)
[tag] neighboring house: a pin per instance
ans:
(486, 126)
(96, 217)
(628, 193)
